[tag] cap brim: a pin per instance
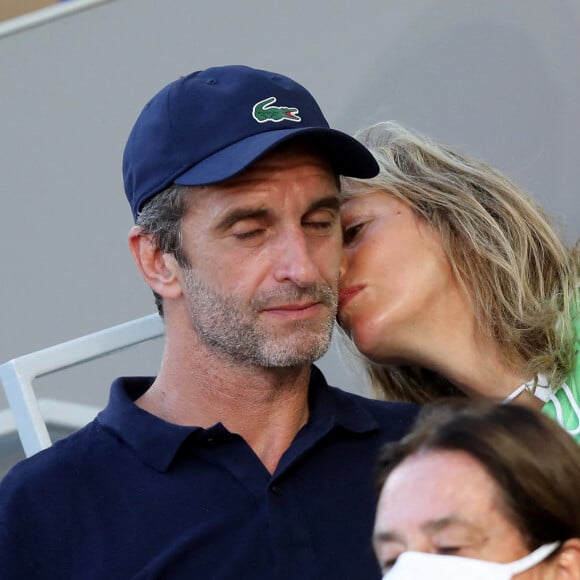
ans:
(347, 155)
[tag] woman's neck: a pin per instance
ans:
(456, 348)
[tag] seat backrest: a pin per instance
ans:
(17, 376)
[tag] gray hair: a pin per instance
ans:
(161, 217)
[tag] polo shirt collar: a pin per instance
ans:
(157, 442)
(337, 407)
(154, 440)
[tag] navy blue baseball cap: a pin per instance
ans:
(210, 125)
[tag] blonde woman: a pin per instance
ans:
(455, 282)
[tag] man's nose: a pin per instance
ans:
(294, 259)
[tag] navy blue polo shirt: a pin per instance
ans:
(131, 496)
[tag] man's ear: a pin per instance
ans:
(567, 561)
(159, 270)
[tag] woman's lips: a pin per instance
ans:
(345, 295)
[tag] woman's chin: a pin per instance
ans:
(366, 345)
(376, 347)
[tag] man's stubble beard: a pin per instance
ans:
(236, 331)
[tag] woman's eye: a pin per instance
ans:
(350, 232)
(387, 565)
(388, 559)
(448, 550)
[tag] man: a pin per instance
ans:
(237, 460)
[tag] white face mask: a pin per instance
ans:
(424, 566)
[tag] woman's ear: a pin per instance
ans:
(567, 561)
(159, 270)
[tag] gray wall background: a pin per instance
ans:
(499, 79)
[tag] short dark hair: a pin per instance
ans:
(161, 217)
(534, 462)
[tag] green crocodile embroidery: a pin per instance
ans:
(264, 111)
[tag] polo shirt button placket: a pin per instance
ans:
(275, 490)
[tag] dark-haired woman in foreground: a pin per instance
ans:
(480, 491)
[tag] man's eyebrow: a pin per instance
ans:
(239, 214)
(331, 202)
(328, 202)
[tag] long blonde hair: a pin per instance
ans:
(501, 246)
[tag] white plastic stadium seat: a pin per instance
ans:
(29, 415)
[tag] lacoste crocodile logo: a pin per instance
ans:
(265, 111)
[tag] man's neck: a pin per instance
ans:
(266, 406)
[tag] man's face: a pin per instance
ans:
(264, 249)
